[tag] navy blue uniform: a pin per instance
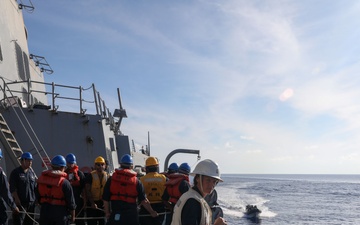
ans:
(24, 184)
(5, 198)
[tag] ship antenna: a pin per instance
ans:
(120, 113)
(148, 147)
(28, 8)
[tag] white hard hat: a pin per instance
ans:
(208, 168)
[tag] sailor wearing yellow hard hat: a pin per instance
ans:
(94, 184)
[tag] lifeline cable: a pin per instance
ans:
(159, 214)
(27, 213)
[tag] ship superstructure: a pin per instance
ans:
(32, 119)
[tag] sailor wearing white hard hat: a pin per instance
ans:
(206, 177)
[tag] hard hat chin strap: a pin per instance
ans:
(201, 186)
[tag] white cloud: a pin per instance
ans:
(286, 94)
(208, 75)
(256, 151)
(247, 138)
(283, 159)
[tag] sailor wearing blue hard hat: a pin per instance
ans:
(70, 158)
(184, 168)
(5, 196)
(55, 194)
(22, 187)
(173, 168)
(123, 189)
(77, 181)
(177, 185)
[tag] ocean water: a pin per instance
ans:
(291, 199)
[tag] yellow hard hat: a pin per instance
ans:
(151, 161)
(99, 159)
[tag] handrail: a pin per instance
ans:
(5, 89)
(99, 103)
(56, 95)
(187, 151)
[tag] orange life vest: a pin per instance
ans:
(173, 184)
(50, 187)
(123, 186)
(165, 174)
(72, 176)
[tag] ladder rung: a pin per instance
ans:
(6, 131)
(11, 140)
(16, 149)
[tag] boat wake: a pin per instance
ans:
(236, 202)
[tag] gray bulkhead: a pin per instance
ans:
(86, 136)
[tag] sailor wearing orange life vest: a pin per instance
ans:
(192, 208)
(154, 184)
(94, 184)
(77, 181)
(177, 185)
(55, 195)
(123, 190)
(173, 168)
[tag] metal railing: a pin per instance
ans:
(7, 102)
(53, 90)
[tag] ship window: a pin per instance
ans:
(24, 95)
(20, 61)
(1, 57)
(26, 33)
(26, 67)
(112, 144)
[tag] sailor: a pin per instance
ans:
(94, 185)
(107, 167)
(55, 195)
(177, 185)
(122, 191)
(5, 196)
(192, 208)
(173, 168)
(77, 181)
(22, 187)
(216, 210)
(154, 184)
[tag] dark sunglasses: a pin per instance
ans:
(100, 164)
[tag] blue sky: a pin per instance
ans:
(258, 86)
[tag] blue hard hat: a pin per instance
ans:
(26, 155)
(173, 166)
(126, 159)
(58, 160)
(70, 158)
(1, 154)
(184, 168)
